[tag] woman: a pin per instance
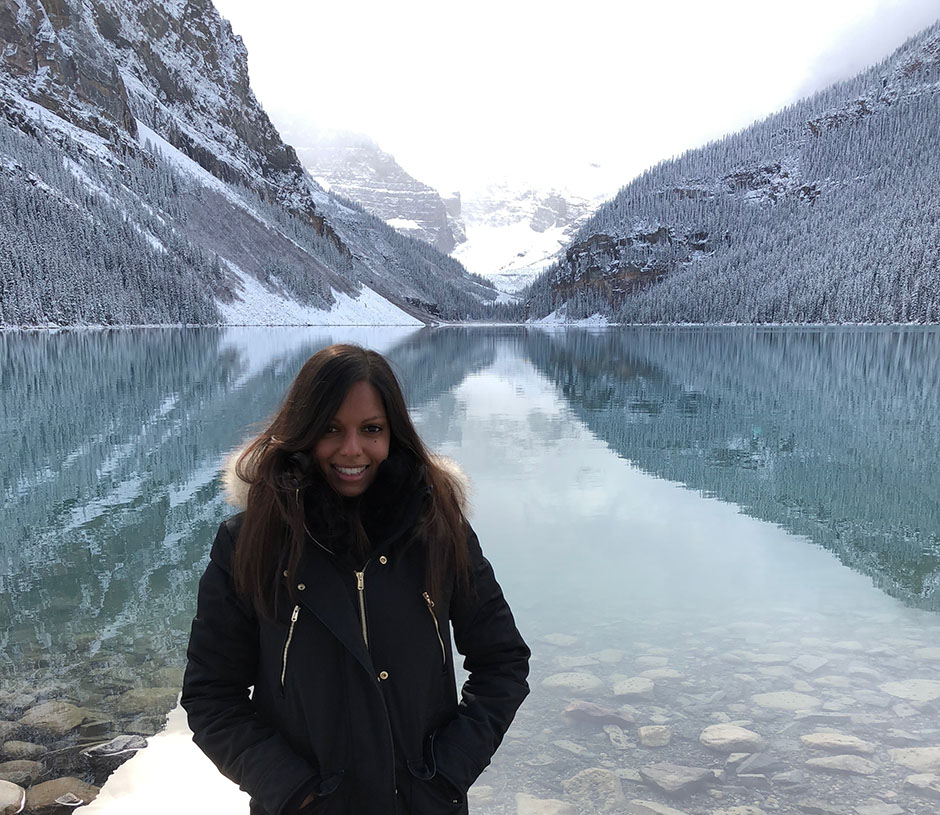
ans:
(333, 596)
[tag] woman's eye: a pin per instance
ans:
(374, 428)
(330, 429)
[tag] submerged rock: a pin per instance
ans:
(572, 682)
(12, 797)
(95, 728)
(901, 738)
(762, 763)
(22, 749)
(617, 737)
(595, 789)
(609, 656)
(530, 805)
(875, 807)
(809, 663)
(480, 795)
(729, 738)
(46, 796)
(53, 718)
(838, 743)
(816, 806)
(22, 771)
(654, 735)
(589, 712)
(572, 747)
(639, 807)
(914, 690)
(927, 784)
(635, 687)
(661, 673)
(786, 700)
(919, 759)
(676, 779)
(853, 765)
(651, 662)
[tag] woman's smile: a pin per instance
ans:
(355, 442)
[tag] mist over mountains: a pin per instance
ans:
(143, 183)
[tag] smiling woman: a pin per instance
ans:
(355, 443)
(333, 596)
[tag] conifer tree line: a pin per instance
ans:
(71, 254)
(825, 212)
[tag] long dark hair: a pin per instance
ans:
(275, 465)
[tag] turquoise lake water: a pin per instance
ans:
(713, 510)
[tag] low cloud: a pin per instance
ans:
(870, 40)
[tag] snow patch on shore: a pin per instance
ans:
(559, 317)
(258, 305)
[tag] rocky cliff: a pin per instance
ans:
(355, 167)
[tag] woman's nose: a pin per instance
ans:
(351, 445)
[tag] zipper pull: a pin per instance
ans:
(360, 580)
(295, 615)
(427, 599)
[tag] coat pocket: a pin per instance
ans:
(329, 798)
(429, 793)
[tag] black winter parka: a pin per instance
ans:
(354, 695)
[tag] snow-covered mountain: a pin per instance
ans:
(824, 212)
(353, 166)
(508, 232)
(515, 230)
(143, 183)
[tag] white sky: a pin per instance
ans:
(464, 93)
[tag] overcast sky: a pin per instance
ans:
(463, 93)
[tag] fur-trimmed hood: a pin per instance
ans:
(236, 490)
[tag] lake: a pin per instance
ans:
(694, 527)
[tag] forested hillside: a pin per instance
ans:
(143, 183)
(827, 211)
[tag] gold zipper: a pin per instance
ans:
(437, 626)
(290, 633)
(361, 585)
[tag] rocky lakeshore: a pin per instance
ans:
(59, 740)
(741, 718)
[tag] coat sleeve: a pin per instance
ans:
(497, 659)
(222, 667)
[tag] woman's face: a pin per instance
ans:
(355, 442)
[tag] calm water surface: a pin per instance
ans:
(723, 513)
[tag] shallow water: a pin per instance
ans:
(728, 513)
